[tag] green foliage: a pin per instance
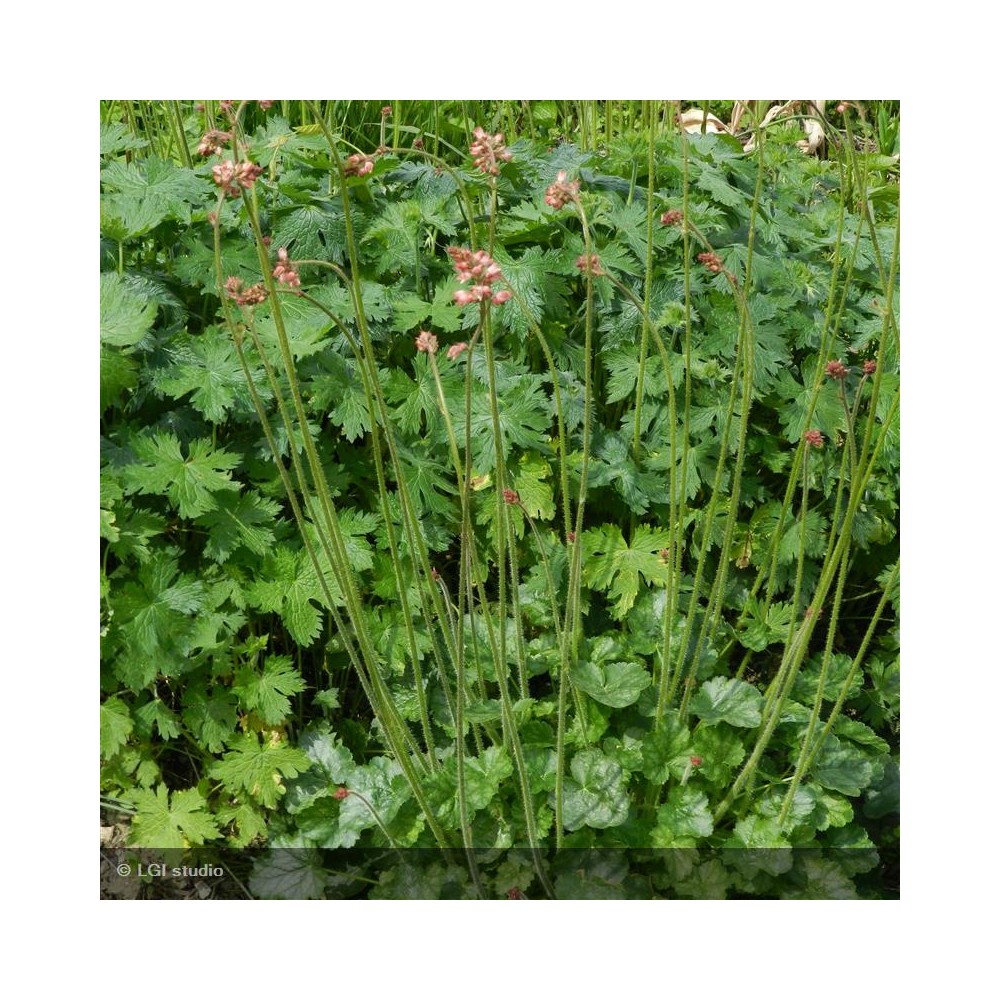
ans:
(287, 674)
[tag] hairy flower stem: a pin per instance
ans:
(400, 581)
(803, 767)
(415, 541)
(338, 560)
(795, 651)
(572, 624)
(644, 342)
(820, 688)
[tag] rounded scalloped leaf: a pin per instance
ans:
(728, 700)
(595, 795)
(613, 684)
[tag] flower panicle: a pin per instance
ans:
(251, 296)
(426, 342)
(285, 272)
(562, 192)
(213, 141)
(232, 176)
(488, 151)
(590, 265)
(479, 267)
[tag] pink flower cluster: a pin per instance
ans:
(672, 218)
(456, 349)
(511, 497)
(358, 164)
(212, 142)
(836, 370)
(712, 261)
(560, 192)
(481, 268)
(251, 296)
(590, 265)
(231, 177)
(488, 150)
(284, 271)
(813, 438)
(427, 343)
(870, 367)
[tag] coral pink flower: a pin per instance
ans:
(231, 177)
(341, 793)
(456, 349)
(870, 367)
(511, 497)
(672, 218)
(487, 150)
(836, 370)
(560, 192)
(591, 265)
(481, 268)
(711, 261)
(427, 343)
(358, 164)
(265, 105)
(386, 111)
(284, 271)
(212, 142)
(250, 297)
(813, 438)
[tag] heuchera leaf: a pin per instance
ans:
(595, 795)
(614, 684)
(728, 700)
(684, 818)
(667, 750)
(842, 767)
(288, 873)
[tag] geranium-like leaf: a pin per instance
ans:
(125, 314)
(614, 565)
(179, 820)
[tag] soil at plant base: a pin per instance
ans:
(115, 852)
